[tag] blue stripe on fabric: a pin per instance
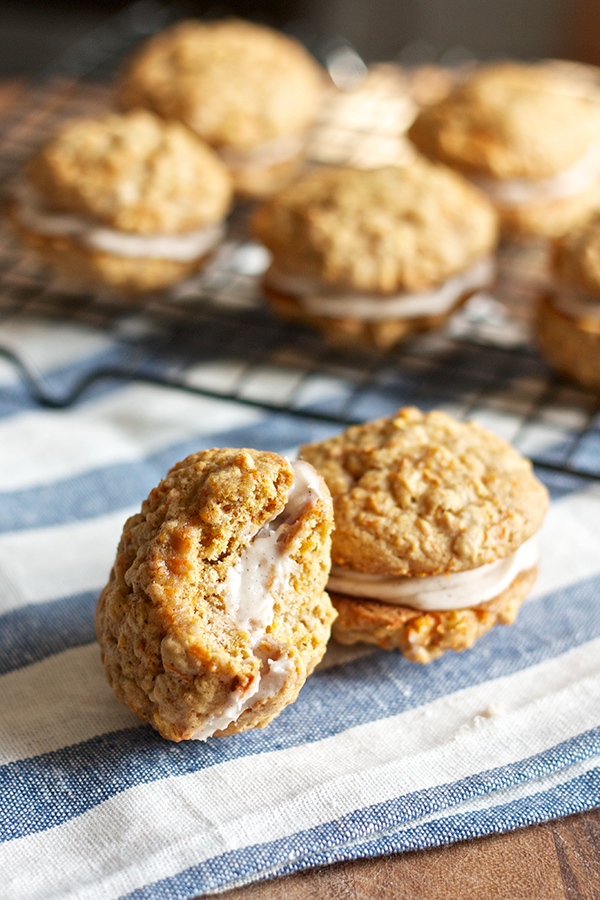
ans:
(100, 491)
(39, 630)
(329, 842)
(577, 795)
(62, 784)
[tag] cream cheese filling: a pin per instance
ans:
(576, 302)
(184, 247)
(261, 574)
(278, 150)
(436, 593)
(321, 299)
(568, 183)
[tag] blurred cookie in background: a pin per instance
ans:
(568, 322)
(130, 202)
(370, 257)
(528, 135)
(249, 91)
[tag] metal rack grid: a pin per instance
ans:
(213, 336)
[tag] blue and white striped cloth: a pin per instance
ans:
(377, 754)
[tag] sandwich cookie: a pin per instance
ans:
(130, 202)
(249, 91)
(568, 321)
(435, 531)
(216, 611)
(528, 135)
(370, 257)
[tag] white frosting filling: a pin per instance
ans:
(576, 302)
(270, 153)
(321, 299)
(177, 247)
(262, 573)
(458, 590)
(520, 191)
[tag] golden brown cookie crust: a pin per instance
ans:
(385, 230)
(380, 334)
(510, 120)
(423, 494)
(133, 173)
(82, 266)
(552, 218)
(170, 649)
(571, 345)
(576, 257)
(423, 636)
(234, 83)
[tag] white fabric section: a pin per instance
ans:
(570, 542)
(48, 348)
(62, 700)
(41, 564)
(44, 446)
(444, 741)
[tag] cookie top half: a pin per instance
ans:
(133, 172)
(576, 256)
(423, 494)
(510, 121)
(382, 230)
(234, 83)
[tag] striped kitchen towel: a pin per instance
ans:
(377, 754)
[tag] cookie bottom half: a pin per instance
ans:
(571, 346)
(381, 334)
(124, 274)
(423, 636)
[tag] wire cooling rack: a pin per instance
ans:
(212, 335)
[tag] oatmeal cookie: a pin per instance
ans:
(128, 201)
(371, 256)
(215, 612)
(435, 524)
(249, 91)
(527, 134)
(568, 321)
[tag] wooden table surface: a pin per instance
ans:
(555, 861)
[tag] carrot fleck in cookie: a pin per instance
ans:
(435, 525)
(568, 322)
(216, 610)
(130, 202)
(528, 135)
(249, 91)
(371, 257)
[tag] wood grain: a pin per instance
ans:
(555, 861)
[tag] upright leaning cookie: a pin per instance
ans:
(216, 611)
(129, 202)
(435, 531)
(568, 322)
(249, 91)
(528, 136)
(371, 257)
